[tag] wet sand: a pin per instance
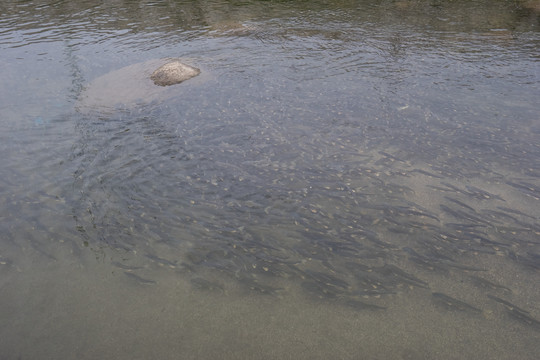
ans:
(91, 310)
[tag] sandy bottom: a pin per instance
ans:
(85, 308)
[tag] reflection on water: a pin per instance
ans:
(342, 167)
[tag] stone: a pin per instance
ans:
(173, 73)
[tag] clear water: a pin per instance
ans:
(345, 179)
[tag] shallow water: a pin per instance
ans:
(355, 179)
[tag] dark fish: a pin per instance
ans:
(398, 188)
(39, 247)
(478, 237)
(357, 267)
(412, 211)
(271, 269)
(394, 210)
(464, 227)
(160, 261)
(392, 271)
(265, 256)
(424, 261)
(454, 188)
(422, 225)
(517, 313)
(360, 305)
(423, 172)
(195, 257)
(125, 267)
(494, 214)
(139, 279)
(439, 188)
(392, 157)
(486, 284)
(5, 261)
(507, 304)
(320, 290)
(327, 279)
(443, 171)
(459, 214)
(342, 249)
(453, 304)
(371, 284)
(513, 211)
(456, 265)
(460, 203)
(374, 291)
(312, 253)
(455, 213)
(372, 236)
(258, 287)
(524, 318)
(481, 194)
(206, 285)
(530, 259)
(528, 189)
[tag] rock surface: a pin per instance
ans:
(173, 72)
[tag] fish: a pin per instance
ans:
(530, 259)
(327, 279)
(456, 265)
(139, 279)
(423, 172)
(451, 303)
(392, 157)
(513, 211)
(495, 215)
(517, 313)
(258, 287)
(360, 305)
(486, 284)
(320, 290)
(424, 261)
(459, 214)
(481, 194)
(392, 271)
(460, 203)
(161, 262)
(506, 303)
(206, 285)
(440, 188)
(524, 318)
(454, 188)
(125, 267)
(528, 189)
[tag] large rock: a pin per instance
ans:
(135, 85)
(173, 73)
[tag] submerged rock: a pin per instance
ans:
(173, 72)
(136, 84)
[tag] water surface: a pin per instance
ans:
(355, 179)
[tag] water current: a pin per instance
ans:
(344, 179)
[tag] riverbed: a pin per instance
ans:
(344, 179)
